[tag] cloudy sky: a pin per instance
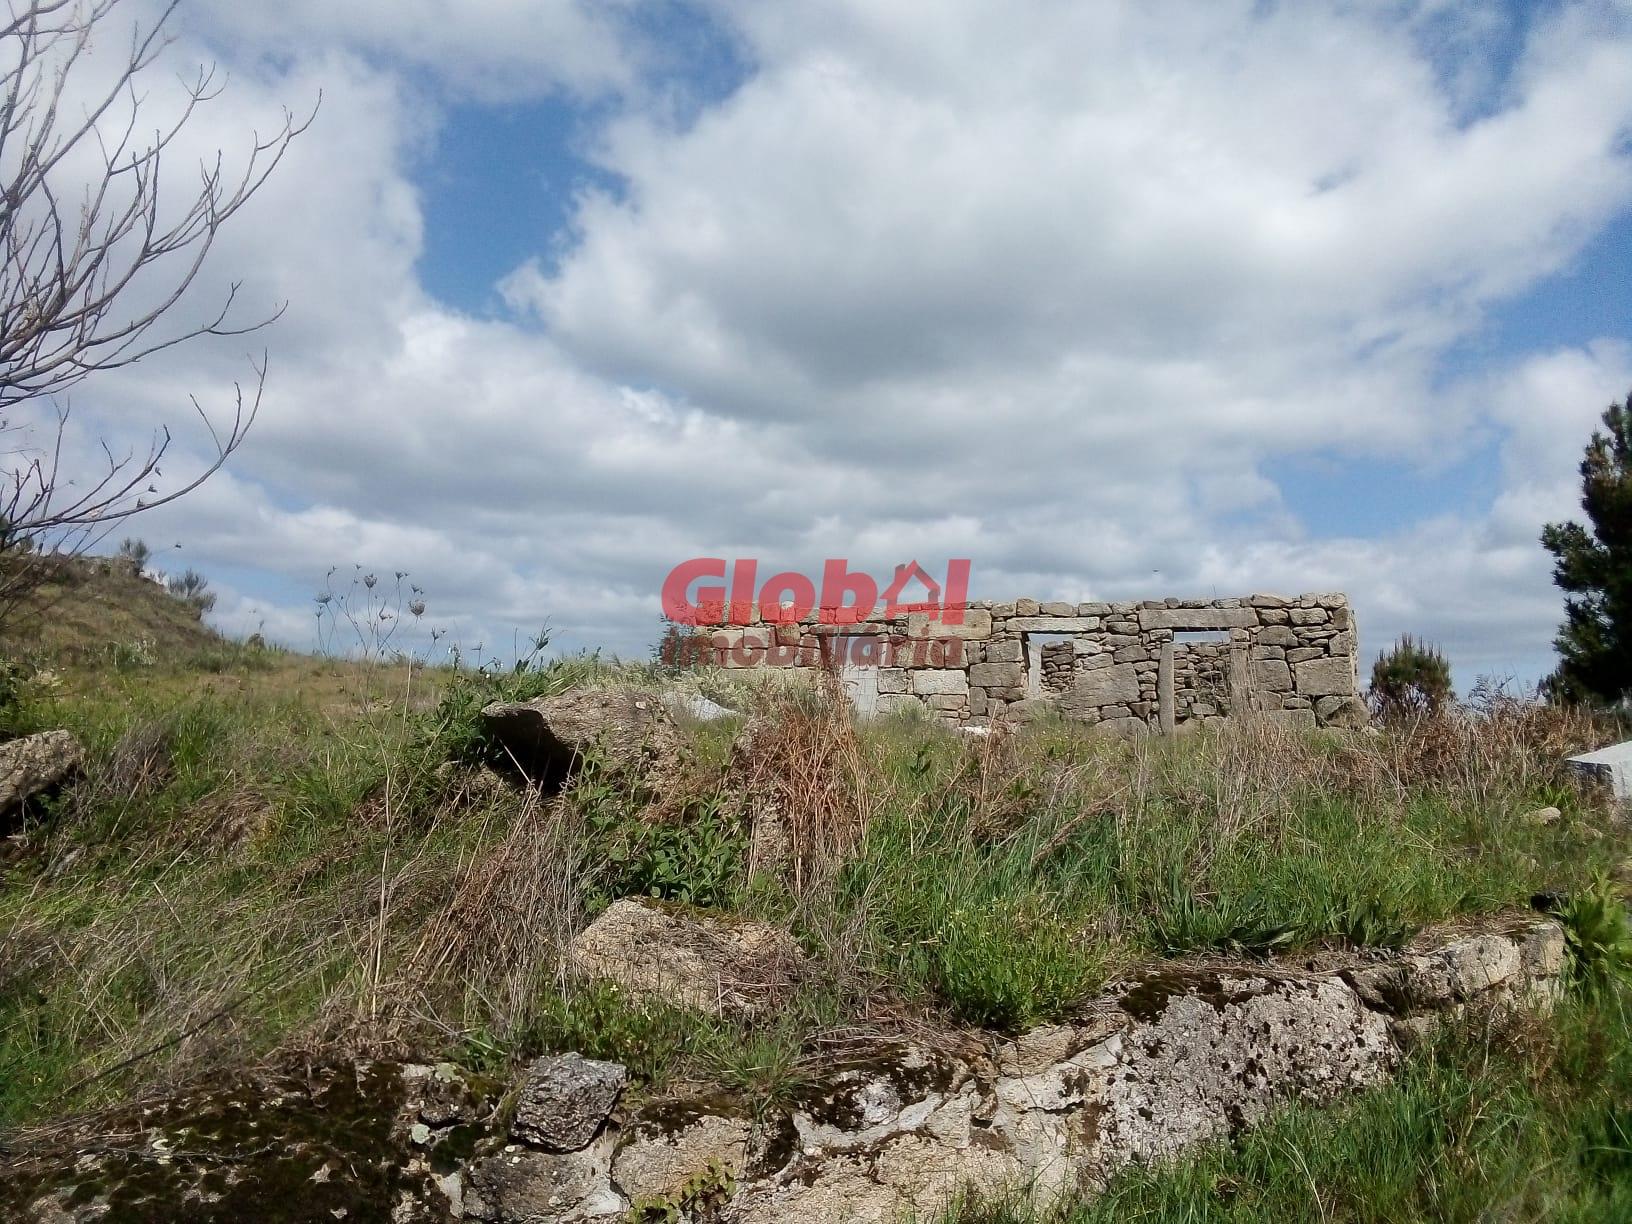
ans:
(1114, 299)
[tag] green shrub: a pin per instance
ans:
(193, 589)
(1411, 680)
(136, 552)
(699, 860)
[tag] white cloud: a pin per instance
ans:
(498, 49)
(1042, 285)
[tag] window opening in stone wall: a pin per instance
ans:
(1201, 674)
(1050, 664)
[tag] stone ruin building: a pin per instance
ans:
(1158, 665)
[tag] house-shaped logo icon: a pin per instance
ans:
(904, 574)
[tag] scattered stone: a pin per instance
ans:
(34, 764)
(521, 1186)
(548, 738)
(723, 966)
(1544, 816)
(696, 706)
(1611, 766)
(565, 1099)
(656, 1160)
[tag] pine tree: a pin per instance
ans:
(1593, 567)
(1410, 681)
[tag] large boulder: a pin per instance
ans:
(565, 1099)
(548, 739)
(1214, 1050)
(34, 764)
(517, 1185)
(719, 965)
(679, 1144)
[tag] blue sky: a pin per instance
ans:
(1227, 297)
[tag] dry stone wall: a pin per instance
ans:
(1158, 665)
(894, 1130)
(887, 1131)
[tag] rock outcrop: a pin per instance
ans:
(370, 1140)
(627, 733)
(716, 964)
(1163, 1061)
(34, 764)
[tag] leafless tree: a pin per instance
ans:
(93, 263)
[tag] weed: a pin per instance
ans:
(969, 924)
(600, 1021)
(130, 656)
(1236, 922)
(764, 1065)
(698, 1197)
(698, 862)
(1596, 930)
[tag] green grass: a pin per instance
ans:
(247, 870)
(1004, 886)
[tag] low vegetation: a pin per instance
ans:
(246, 873)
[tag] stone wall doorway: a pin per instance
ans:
(1201, 675)
(859, 657)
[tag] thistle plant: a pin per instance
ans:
(372, 614)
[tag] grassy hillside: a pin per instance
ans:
(94, 607)
(97, 627)
(273, 855)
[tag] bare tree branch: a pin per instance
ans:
(92, 267)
